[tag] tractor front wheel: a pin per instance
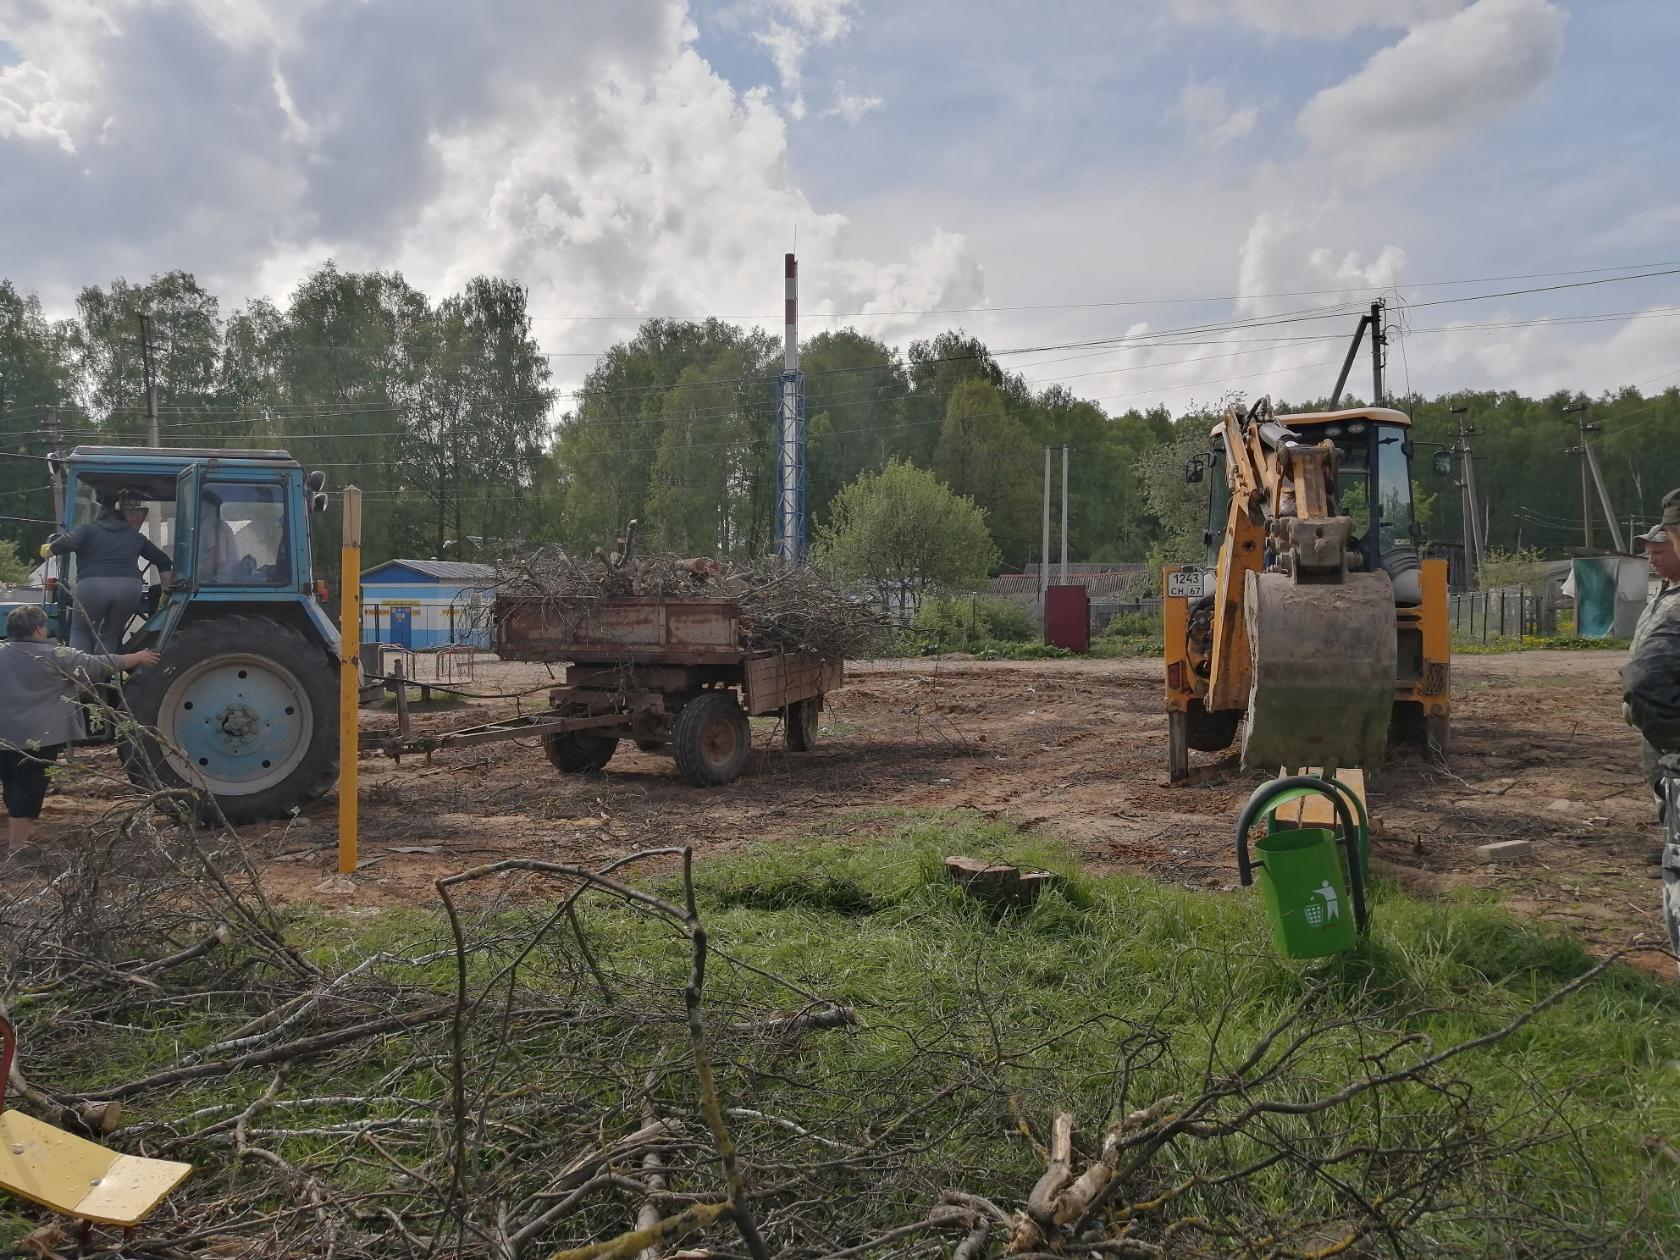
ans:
(241, 709)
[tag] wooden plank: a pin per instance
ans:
(1316, 810)
(774, 681)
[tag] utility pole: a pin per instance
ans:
(1379, 342)
(1064, 513)
(1604, 495)
(1592, 478)
(146, 373)
(49, 437)
(790, 430)
(1044, 544)
(1474, 541)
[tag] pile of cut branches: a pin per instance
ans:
(566, 1062)
(785, 608)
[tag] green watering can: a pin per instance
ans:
(1314, 894)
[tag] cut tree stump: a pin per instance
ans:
(997, 884)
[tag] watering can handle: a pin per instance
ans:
(1263, 796)
(8, 1052)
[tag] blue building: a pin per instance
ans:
(423, 604)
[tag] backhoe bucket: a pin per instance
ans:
(1322, 686)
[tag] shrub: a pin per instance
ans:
(960, 621)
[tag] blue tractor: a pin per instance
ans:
(243, 705)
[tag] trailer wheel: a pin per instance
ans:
(712, 739)
(240, 708)
(799, 724)
(578, 752)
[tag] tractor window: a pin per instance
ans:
(242, 535)
(1394, 484)
(1219, 504)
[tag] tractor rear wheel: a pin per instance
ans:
(712, 739)
(241, 709)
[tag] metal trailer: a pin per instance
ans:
(665, 674)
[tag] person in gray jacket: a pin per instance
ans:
(1651, 677)
(109, 588)
(39, 714)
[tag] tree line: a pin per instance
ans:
(446, 414)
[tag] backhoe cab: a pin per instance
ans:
(1314, 616)
(242, 705)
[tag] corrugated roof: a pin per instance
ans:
(442, 570)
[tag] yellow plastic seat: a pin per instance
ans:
(72, 1175)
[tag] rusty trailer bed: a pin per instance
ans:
(627, 630)
(662, 673)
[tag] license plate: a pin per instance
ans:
(1189, 585)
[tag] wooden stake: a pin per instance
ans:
(349, 660)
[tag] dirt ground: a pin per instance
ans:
(1072, 748)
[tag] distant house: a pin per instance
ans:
(1102, 580)
(425, 604)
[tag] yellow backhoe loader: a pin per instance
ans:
(1314, 618)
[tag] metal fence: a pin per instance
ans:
(1471, 615)
(1104, 611)
(1510, 612)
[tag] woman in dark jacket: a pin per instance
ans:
(108, 583)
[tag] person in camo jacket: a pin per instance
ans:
(1651, 700)
(1664, 559)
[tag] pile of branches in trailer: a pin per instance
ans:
(785, 608)
(564, 1062)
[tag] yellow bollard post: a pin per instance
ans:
(349, 663)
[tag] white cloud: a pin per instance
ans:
(790, 29)
(585, 150)
(1284, 253)
(850, 106)
(1437, 86)
(1323, 19)
(1209, 118)
(1654, 226)
(30, 108)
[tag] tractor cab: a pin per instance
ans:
(1373, 487)
(241, 707)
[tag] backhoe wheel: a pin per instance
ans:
(1412, 726)
(1210, 731)
(712, 739)
(578, 752)
(242, 709)
(1437, 731)
(799, 724)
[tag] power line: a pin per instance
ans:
(1125, 302)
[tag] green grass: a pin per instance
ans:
(1499, 644)
(1049, 1006)
(440, 700)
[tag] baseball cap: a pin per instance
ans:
(1655, 534)
(1671, 508)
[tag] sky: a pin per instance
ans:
(1146, 201)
